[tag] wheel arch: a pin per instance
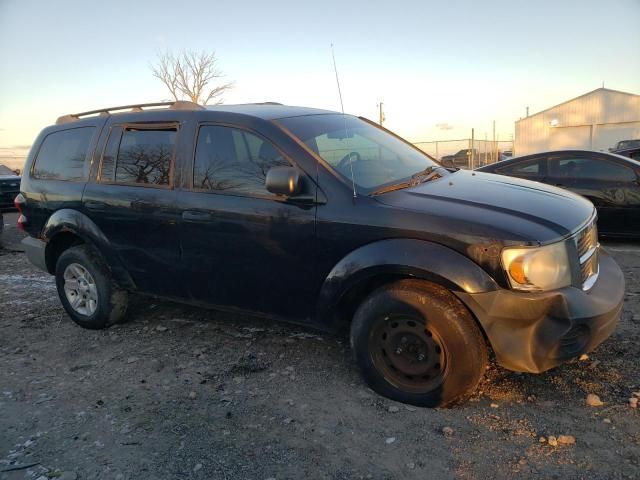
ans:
(371, 266)
(66, 228)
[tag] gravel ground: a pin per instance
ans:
(181, 393)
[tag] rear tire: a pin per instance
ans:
(87, 290)
(416, 343)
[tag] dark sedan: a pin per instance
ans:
(9, 187)
(610, 181)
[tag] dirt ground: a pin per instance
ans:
(183, 393)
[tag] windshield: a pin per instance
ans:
(346, 142)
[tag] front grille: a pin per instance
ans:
(10, 187)
(587, 246)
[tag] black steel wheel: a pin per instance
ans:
(408, 353)
(415, 342)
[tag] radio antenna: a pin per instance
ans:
(344, 118)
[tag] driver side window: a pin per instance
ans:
(231, 160)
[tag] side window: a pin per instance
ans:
(139, 155)
(590, 168)
(63, 155)
(232, 160)
(529, 168)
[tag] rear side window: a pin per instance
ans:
(63, 155)
(530, 168)
(139, 155)
(233, 161)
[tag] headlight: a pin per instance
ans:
(538, 268)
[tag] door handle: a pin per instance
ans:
(304, 200)
(91, 205)
(195, 215)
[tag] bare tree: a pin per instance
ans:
(191, 75)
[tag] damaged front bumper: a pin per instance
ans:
(533, 332)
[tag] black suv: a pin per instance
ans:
(323, 219)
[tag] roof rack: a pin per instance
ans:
(179, 105)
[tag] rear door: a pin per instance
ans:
(133, 202)
(610, 185)
(243, 246)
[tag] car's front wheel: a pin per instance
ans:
(86, 289)
(416, 343)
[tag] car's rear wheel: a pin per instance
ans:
(416, 343)
(86, 289)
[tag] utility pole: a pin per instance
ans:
(380, 114)
(484, 159)
(473, 141)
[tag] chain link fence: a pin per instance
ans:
(467, 153)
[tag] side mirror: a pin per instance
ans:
(283, 180)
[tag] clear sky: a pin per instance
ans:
(440, 68)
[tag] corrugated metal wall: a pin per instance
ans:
(596, 121)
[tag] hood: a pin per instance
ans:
(495, 206)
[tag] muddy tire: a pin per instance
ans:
(416, 343)
(86, 289)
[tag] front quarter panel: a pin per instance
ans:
(404, 257)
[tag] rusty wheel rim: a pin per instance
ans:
(409, 353)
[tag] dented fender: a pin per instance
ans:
(73, 221)
(406, 257)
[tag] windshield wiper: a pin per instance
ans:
(417, 178)
(392, 187)
(423, 173)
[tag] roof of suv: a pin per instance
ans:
(265, 111)
(268, 111)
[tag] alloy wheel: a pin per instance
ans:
(80, 289)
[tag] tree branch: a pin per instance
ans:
(192, 75)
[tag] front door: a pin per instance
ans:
(241, 245)
(611, 186)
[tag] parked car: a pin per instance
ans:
(9, 186)
(624, 144)
(460, 159)
(506, 155)
(633, 153)
(324, 219)
(608, 180)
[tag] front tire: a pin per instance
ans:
(416, 343)
(87, 290)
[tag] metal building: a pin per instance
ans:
(595, 121)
